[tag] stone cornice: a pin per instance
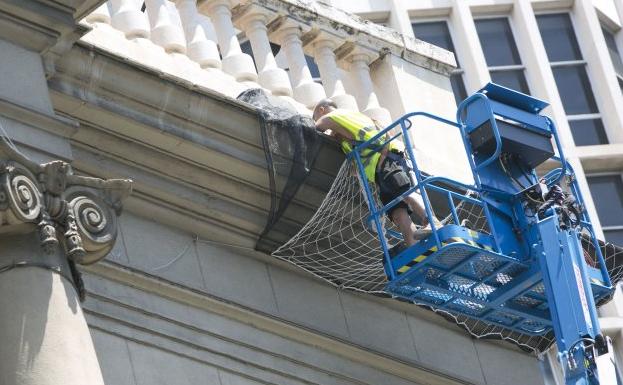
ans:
(193, 153)
(39, 25)
(52, 123)
(75, 212)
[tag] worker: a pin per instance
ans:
(382, 167)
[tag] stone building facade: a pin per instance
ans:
(182, 297)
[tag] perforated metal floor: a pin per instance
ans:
(466, 276)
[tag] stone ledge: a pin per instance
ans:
(201, 300)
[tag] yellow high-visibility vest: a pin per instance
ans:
(362, 128)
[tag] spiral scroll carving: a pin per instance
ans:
(91, 229)
(21, 194)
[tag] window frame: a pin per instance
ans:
(605, 26)
(458, 70)
(607, 174)
(574, 63)
(510, 67)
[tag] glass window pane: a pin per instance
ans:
(614, 51)
(436, 33)
(607, 193)
(313, 68)
(497, 42)
(558, 37)
(245, 46)
(575, 90)
(588, 132)
(614, 236)
(458, 87)
(515, 80)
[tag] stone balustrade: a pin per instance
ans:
(201, 41)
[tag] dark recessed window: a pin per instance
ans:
(313, 68)
(513, 79)
(588, 132)
(614, 51)
(572, 80)
(498, 45)
(458, 88)
(575, 90)
(559, 37)
(614, 236)
(437, 33)
(607, 193)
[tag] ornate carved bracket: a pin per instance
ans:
(74, 212)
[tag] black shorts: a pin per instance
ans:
(392, 181)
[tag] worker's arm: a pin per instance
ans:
(325, 123)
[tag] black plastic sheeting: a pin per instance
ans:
(291, 145)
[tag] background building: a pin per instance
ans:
(566, 52)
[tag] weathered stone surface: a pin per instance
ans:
(114, 358)
(445, 349)
(309, 302)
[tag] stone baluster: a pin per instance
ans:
(200, 38)
(329, 72)
(100, 15)
(127, 17)
(306, 91)
(270, 76)
(235, 62)
(164, 30)
(364, 88)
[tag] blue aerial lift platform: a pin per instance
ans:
(525, 269)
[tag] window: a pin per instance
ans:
(572, 80)
(498, 45)
(614, 51)
(437, 33)
(607, 192)
(617, 61)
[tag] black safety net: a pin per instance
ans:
(291, 146)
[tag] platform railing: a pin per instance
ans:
(421, 185)
(425, 183)
(202, 39)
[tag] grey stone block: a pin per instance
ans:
(154, 366)
(22, 79)
(307, 302)
(507, 366)
(119, 253)
(228, 378)
(237, 278)
(446, 349)
(161, 250)
(39, 145)
(373, 325)
(114, 358)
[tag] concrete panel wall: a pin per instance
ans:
(142, 337)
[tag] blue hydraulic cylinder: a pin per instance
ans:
(571, 303)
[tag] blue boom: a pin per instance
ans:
(523, 268)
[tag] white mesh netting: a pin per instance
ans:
(338, 246)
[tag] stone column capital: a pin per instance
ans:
(249, 15)
(76, 213)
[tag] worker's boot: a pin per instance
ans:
(424, 232)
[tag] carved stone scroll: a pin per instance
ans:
(74, 212)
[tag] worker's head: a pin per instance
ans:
(323, 107)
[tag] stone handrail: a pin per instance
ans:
(199, 42)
